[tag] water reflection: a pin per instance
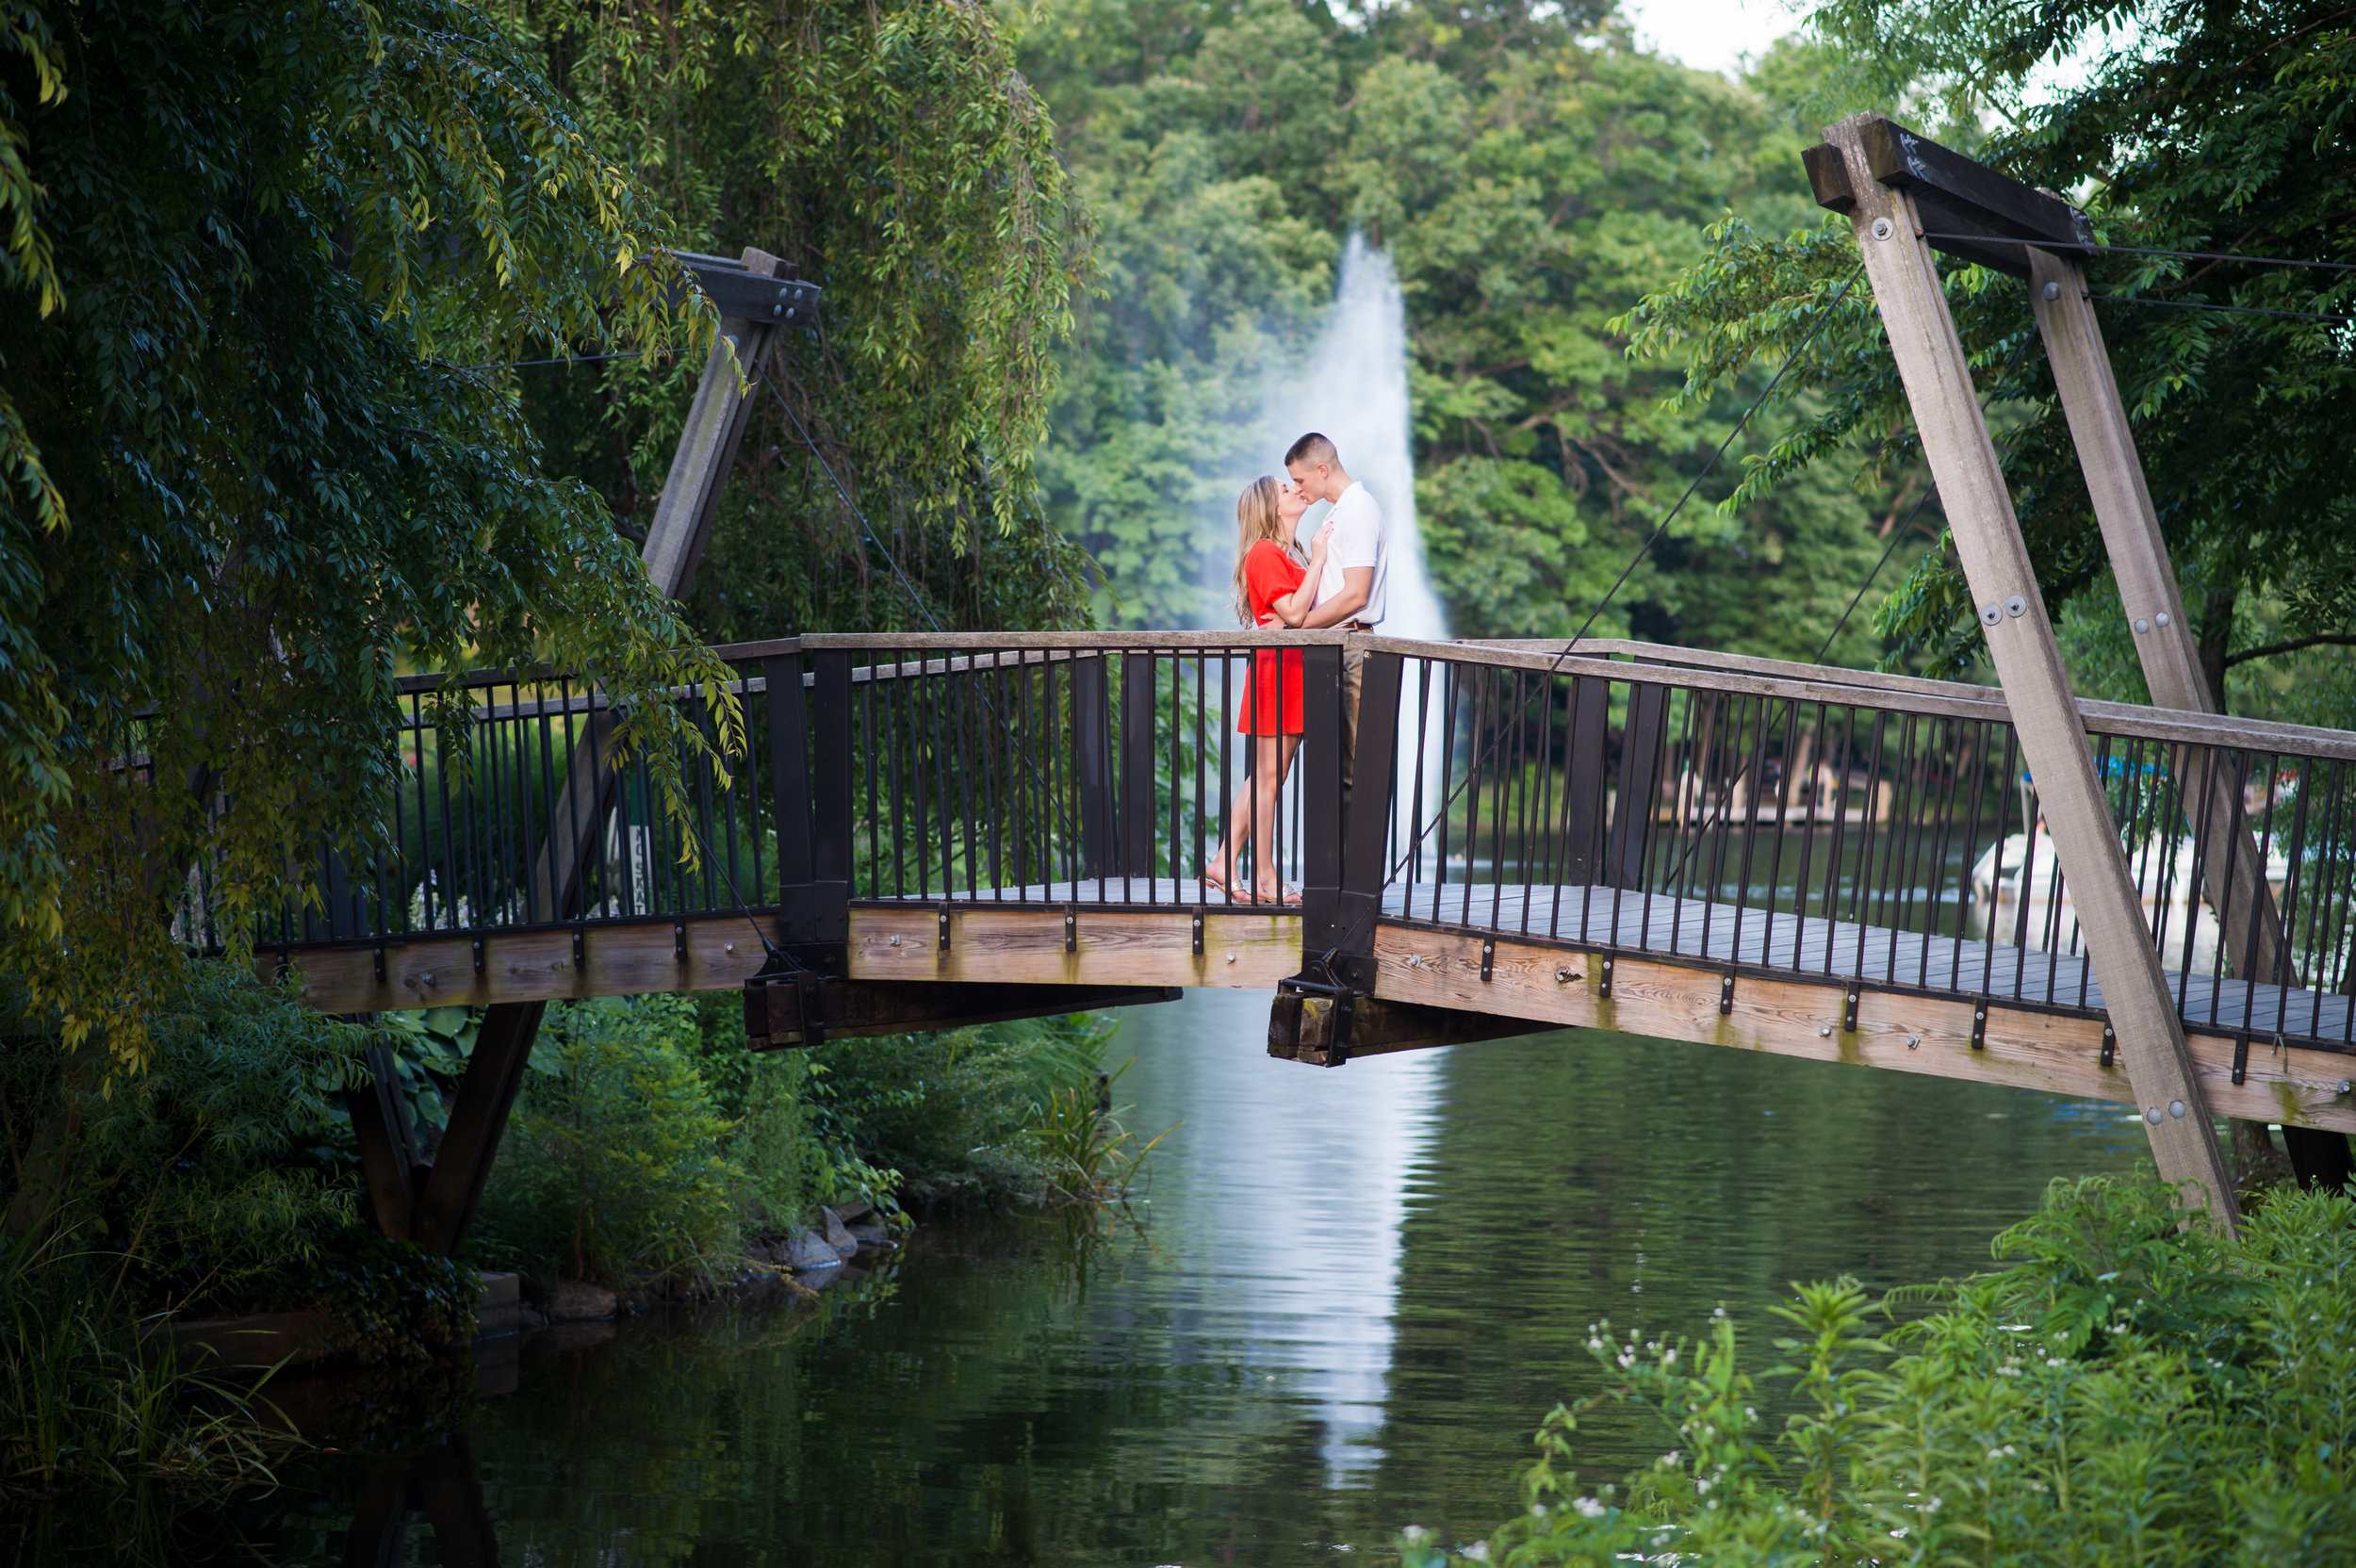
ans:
(1288, 1189)
(1357, 1294)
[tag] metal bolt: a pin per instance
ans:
(1823, 1031)
(2142, 624)
(2176, 1107)
(895, 941)
(1231, 957)
(1882, 229)
(2016, 606)
(730, 947)
(2152, 1115)
(2344, 1084)
(2053, 291)
(1990, 615)
(1914, 1043)
(427, 978)
(2160, 619)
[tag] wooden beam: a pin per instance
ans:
(1109, 947)
(1970, 210)
(1963, 461)
(2234, 872)
(721, 951)
(477, 1118)
(388, 1148)
(858, 1010)
(1301, 1028)
(1540, 986)
(708, 443)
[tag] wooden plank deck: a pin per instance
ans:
(1719, 932)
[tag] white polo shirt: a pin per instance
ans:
(1357, 542)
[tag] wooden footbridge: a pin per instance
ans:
(2155, 906)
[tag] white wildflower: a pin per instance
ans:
(1590, 1508)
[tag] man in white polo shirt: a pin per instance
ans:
(1357, 567)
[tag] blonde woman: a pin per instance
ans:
(1272, 587)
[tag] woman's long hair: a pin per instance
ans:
(1256, 518)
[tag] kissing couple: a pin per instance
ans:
(1339, 582)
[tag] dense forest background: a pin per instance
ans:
(1534, 174)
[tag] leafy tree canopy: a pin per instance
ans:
(892, 155)
(2204, 128)
(256, 258)
(1533, 175)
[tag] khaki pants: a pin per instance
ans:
(1354, 680)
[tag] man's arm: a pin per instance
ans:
(1357, 582)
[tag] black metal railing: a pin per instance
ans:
(1854, 828)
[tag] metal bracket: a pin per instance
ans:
(2241, 1058)
(475, 945)
(1328, 976)
(1726, 992)
(678, 941)
(1979, 1024)
(1488, 958)
(1071, 929)
(808, 1007)
(580, 947)
(1848, 1011)
(1603, 988)
(380, 963)
(1198, 933)
(2110, 1043)
(944, 930)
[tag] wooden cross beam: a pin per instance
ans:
(1886, 177)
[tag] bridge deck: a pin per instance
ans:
(1719, 932)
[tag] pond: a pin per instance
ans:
(1352, 1295)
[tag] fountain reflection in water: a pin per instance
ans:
(1295, 1184)
(1353, 1138)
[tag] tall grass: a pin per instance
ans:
(85, 1401)
(1082, 1150)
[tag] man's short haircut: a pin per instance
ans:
(1312, 450)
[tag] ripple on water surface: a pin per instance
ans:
(1357, 1293)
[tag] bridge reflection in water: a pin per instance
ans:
(1788, 858)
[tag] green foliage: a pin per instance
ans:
(2130, 1391)
(951, 1111)
(892, 154)
(219, 1180)
(1083, 1151)
(83, 1403)
(2195, 128)
(1533, 175)
(257, 260)
(613, 1166)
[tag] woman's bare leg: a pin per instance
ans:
(1274, 761)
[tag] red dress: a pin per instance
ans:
(1273, 703)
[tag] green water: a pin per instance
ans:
(1356, 1294)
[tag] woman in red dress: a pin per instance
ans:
(1272, 588)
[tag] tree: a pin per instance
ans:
(890, 153)
(1534, 176)
(2200, 128)
(262, 266)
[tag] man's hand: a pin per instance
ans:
(1357, 586)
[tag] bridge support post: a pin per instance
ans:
(1343, 857)
(1134, 855)
(1092, 765)
(1963, 461)
(2234, 874)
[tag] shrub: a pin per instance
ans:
(953, 1110)
(613, 1167)
(2134, 1390)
